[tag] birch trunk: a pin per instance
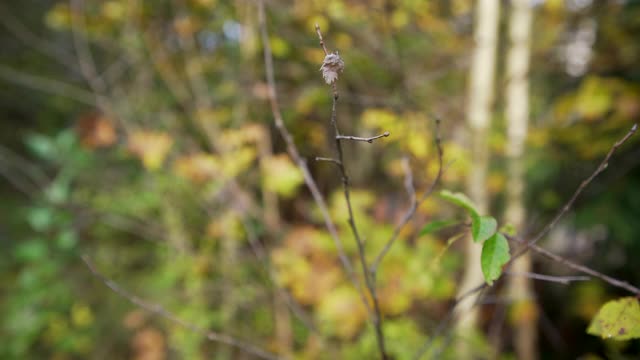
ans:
(517, 110)
(479, 104)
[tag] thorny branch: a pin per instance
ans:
(369, 280)
(161, 311)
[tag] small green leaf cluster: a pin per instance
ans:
(495, 247)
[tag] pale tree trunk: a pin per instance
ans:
(520, 288)
(479, 104)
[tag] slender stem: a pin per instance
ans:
(608, 279)
(365, 139)
(603, 165)
(319, 158)
(565, 280)
(297, 158)
(369, 280)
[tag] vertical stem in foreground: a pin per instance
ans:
(369, 282)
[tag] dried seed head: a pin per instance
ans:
(331, 66)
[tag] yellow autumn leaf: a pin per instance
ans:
(81, 315)
(379, 118)
(280, 175)
(198, 167)
(114, 10)
(237, 161)
(342, 313)
(151, 147)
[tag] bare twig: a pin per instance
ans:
(369, 280)
(415, 203)
(161, 311)
(319, 158)
(566, 280)
(608, 279)
(30, 39)
(603, 165)
(46, 85)
(297, 158)
(367, 139)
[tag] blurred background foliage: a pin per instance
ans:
(139, 133)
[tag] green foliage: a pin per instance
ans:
(483, 227)
(495, 253)
(436, 226)
(461, 200)
(617, 319)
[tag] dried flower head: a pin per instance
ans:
(331, 66)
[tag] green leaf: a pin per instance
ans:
(495, 253)
(617, 319)
(483, 227)
(40, 218)
(32, 250)
(461, 200)
(436, 225)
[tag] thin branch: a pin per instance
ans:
(408, 179)
(369, 280)
(30, 39)
(366, 139)
(603, 165)
(159, 310)
(319, 158)
(414, 205)
(46, 85)
(608, 279)
(565, 280)
(297, 158)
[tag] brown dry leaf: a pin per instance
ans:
(96, 131)
(185, 26)
(149, 344)
(134, 319)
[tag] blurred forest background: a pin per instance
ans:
(139, 133)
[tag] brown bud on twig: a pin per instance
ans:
(331, 66)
